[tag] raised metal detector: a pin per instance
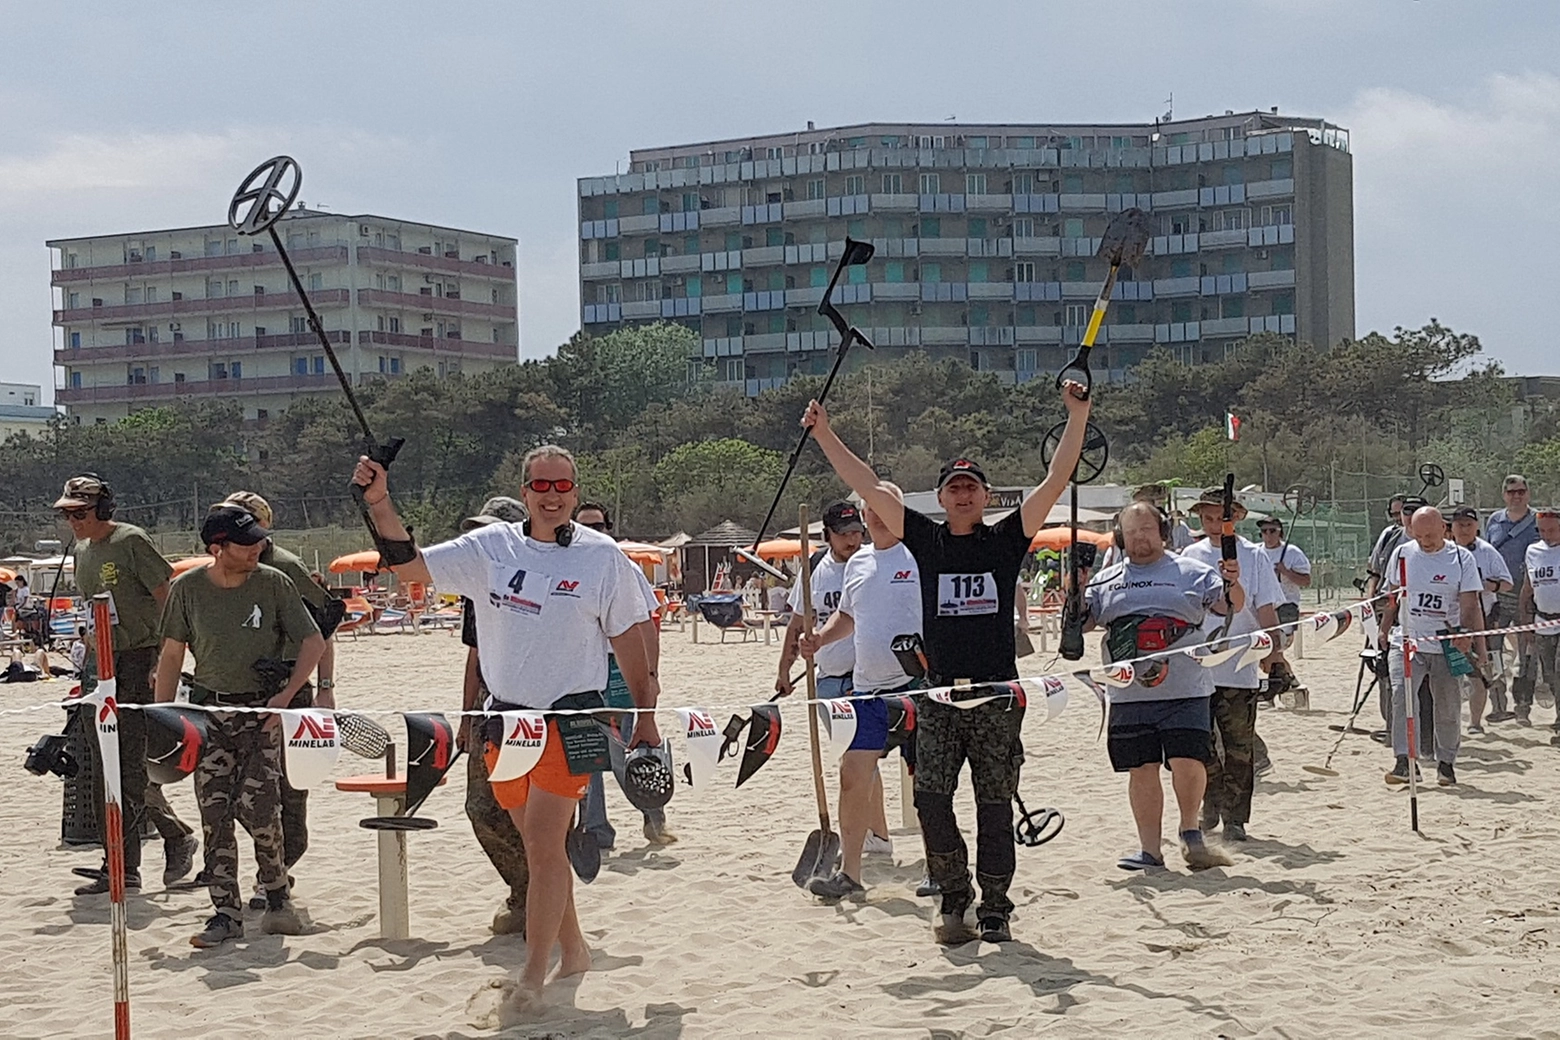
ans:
(261, 200)
(1092, 457)
(1299, 500)
(1430, 476)
(855, 254)
(1124, 242)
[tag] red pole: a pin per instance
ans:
(1410, 700)
(113, 819)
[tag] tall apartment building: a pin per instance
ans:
(985, 239)
(148, 317)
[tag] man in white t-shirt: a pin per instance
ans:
(1232, 777)
(1541, 601)
(1495, 577)
(1152, 601)
(842, 530)
(1293, 570)
(880, 600)
(550, 599)
(1440, 596)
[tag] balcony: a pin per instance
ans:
(449, 345)
(192, 348)
(895, 203)
(138, 312)
(844, 206)
(990, 290)
(1045, 245)
(434, 304)
(317, 256)
(1271, 279)
(155, 392)
(372, 255)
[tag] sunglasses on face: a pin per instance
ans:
(1516, 491)
(599, 525)
(75, 514)
(541, 487)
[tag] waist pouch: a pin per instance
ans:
(584, 737)
(1134, 635)
(910, 651)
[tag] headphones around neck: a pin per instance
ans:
(103, 507)
(564, 534)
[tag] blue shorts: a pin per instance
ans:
(871, 725)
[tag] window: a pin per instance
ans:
(262, 414)
(733, 283)
(774, 236)
(893, 184)
(1181, 310)
(974, 184)
(733, 370)
(214, 289)
(132, 294)
(1024, 227)
(1024, 360)
(733, 241)
(931, 273)
(894, 271)
(734, 326)
(1075, 314)
(931, 227)
(75, 380)
(776, 280)
(931, 183)
(980, 315)
(855, 184)
(1074, 272)
(648, 206)
(609, 209)
(1232, 307)
(776, 322)
(979, 271)
(1072, 227)
(611, 251)
(1124, 183)
(856, 275)
(217, 370)
(1282, 169)
(73, 301)
(1276, 214)
(1181, 268)
(818, 277)
(1234, 175)
(237, 369)
(978, 361)
(75, 341)
(1282, 259)
(1072, 183)
(691, 245)
(977, 227)
(690, 201)
(395, 324)
(1283, 303)
(1024, 271)
(1126, 314)
(652, 247)
(815, 188)
(1023, 184)
(300, 366)
(856, 228)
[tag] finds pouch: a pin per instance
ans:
(910, 651)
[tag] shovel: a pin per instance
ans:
(822, 849)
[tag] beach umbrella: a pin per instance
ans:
(366, 560)
(1059, 538)
(780, 549)
(190, 563)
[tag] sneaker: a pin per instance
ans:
(836, 888)
(1523, 719)
(509, 921)
(1199, 855)
(995, 930)
(1475, 729)
(1500, 716)
(1399, 773)
(1140, 861)
(928, 887)
(1446, 776)
(1234, 831)
(876, 846)
(1263, 766)
(219, 929)
(280, 918)
(180, 856)
(99, 886)
(259, 900)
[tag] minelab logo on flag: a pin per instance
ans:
(314, 731)
(700, 724)
(108, 716)
(529, 731)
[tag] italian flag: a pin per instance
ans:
(1232, 426)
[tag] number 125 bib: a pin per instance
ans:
(964, 595)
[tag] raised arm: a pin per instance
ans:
(856, 473)
(1037, 504)
(370, 476)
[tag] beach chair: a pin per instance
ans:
(724, 610)
(359, 614)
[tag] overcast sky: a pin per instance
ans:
(118, 117)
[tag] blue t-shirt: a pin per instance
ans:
(1511, 540)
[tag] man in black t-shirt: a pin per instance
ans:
(969, 573)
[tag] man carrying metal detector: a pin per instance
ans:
(969, 575)
(855, 254)
(261, 201)
(551, 598)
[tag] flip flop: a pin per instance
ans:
(1140, 861)
(584, 852)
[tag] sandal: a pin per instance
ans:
(1140, 861)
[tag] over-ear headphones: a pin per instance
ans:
(1166, 529)
(104, 505)
(564, 534)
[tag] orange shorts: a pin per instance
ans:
(550, 774)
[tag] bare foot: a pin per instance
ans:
(523, 1001)
(577, 963)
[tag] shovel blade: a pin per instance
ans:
(1125, 238)
(818, 857)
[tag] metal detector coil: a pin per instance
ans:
(1034, 829)
(1430, 476)
(275, 181)
(1299, 500)
(1092, 458)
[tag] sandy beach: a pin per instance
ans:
(1335, 921)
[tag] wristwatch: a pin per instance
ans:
(325, 684)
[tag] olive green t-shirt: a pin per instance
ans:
(228, 630)
(128, 567)
(294, 568)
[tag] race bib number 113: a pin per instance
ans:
(964, 595)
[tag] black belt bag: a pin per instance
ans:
(207, 697)
(584, 737)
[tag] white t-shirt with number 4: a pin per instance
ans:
(1543, 569)
(544, 612)
(1432, 601)
(828, 581)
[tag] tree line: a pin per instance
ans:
(668, 452)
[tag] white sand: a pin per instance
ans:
(1335, 920)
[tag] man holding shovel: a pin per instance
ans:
(969, 574)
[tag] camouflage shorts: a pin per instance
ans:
(986, 736)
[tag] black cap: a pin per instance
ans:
(1270, 521)
(1413, 502)
(961, 468)
(232, 525)
(842, 517)
(1465, 513)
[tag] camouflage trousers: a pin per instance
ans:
(1232, 775)
(495, 831)
(239, 780)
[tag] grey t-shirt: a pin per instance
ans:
(1175, 586)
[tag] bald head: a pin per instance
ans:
(1428, 528)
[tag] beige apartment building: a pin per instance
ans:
(148, 317)
(985, 239)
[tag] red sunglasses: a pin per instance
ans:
(541, 487)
